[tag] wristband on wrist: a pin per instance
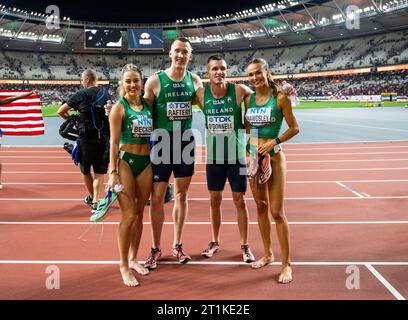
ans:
(277, 141)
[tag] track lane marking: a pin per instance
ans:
(205, 183)
(385, 283)
(206, 223)
(276, 263)
(349, 189)
(203, 171)
(225, 199)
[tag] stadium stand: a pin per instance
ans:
(370, 51)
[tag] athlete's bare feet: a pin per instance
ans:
(262, 262)
(128, 277)
(286, 274)
(133, 264)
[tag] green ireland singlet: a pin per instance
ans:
(225, 137)
(173, 109)
(266, 120)
(137, 126)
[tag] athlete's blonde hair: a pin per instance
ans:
(272, 84)
(126, 68)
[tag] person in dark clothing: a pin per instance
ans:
(93, 133)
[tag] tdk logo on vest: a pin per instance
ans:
(220, 119)
(178, 85)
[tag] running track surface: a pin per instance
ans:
(346, 204)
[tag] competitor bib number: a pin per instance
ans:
(179, 111)
(142, 127)
(260, 117)
(220, 124)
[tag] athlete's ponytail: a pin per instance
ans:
(271, 83)
(126, 68)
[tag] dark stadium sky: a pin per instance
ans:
(137, 11)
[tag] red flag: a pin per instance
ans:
(22, 117)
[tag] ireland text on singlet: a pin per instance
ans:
(225, 138)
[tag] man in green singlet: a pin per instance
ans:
(171, 93)
(225, 141)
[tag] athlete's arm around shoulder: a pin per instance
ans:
(197, 82)
(242, 92)
(285, 105)
(152, 89)
(246, 123)
(199, 98)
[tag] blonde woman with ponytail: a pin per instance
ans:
(131, 124)
(266, 108)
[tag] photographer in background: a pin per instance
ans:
(93, 133)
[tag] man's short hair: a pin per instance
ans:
(91, 74)
(183, 39)
(216, 57)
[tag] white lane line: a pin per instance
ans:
(384, 281)
(35, 157)
(306, 161)
(365, 194)
(276, 263)
(39, 164)
(288, 147)
(56, 223)
(356, 125)
(44, 183)
(347, 169)
(208, 199)
(205, 183)
(342, 161)
(349, 189)
(32, 151)
(348, 181)
(203, 171)
(345, 153)
(289, 155)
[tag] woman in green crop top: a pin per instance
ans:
(266, 109)
(130, 125)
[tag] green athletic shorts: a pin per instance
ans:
(137, 163)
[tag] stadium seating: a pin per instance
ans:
(368, 51)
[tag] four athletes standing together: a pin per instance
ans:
(152, 137)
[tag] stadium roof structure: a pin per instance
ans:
(279, 24)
